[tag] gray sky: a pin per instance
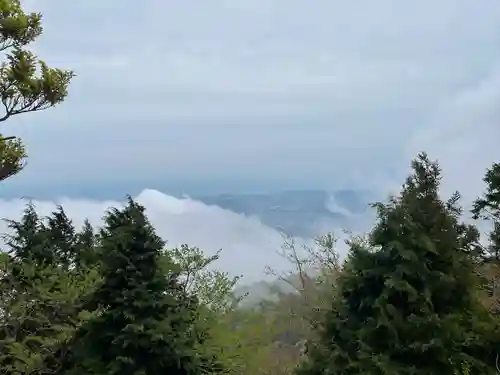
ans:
(333, 92)
(328, 92)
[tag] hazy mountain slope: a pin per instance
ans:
(262, 290)
(302, 213)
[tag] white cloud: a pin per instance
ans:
(331, 94)
(463, 135)
(247, 244)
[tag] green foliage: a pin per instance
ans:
(27, 84)
(147, 324)
(115, 301)
(213, 288)
(407, 304)
(313, 278)
(239, 340)
(53, 240)
(41, 317)
(488, 207)
(41, 296)
(77, 302)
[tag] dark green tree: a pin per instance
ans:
(487, 207)
(72, 250)
(41, 295)
(27, 84)
(63, 238)
(86, 247)
(147, 326)
(51, 240)
(27, 239)
(407, 302)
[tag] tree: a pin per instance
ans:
(213, 288)
(38, 320)
(311, 280)
(86, 255)
(407, 303)
(240, 340)
(41, 296)
(487, 208)
(27, 84)
(27, 240)
(302, 294)
(147, 324)
(51, 240)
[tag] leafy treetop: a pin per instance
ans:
(27, 84)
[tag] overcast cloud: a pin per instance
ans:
(334, 93)
(337, 93)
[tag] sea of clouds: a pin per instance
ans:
(248, 246)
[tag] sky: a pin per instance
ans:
(242, 94)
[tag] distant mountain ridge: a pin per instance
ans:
(301, 213)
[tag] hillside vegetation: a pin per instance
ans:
(417, 295)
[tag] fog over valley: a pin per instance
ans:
(249, 228)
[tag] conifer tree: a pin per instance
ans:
(147, 323)
(488, 207)
(41, 296)
(71, 249)
(86, 247)
(27, 239)
(63, 238)
(26, 83)
(407, 303)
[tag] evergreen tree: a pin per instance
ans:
(52, 240)
(147, 323)
(86, 247)
(41, 296)
(488, 207)
(407, 303)
(63, 238)
(22, 89)
(71, 250)
(27, 240)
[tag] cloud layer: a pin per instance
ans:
(331, 94)
(247, 244)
